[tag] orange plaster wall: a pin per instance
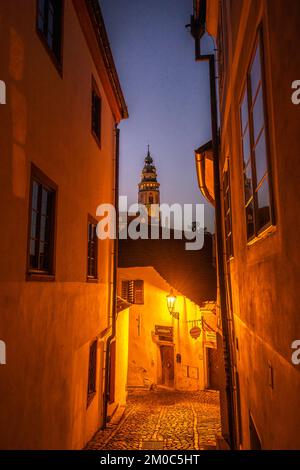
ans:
(48, 326)
(265, 275)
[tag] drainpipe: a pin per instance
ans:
(114, 282)
(210, 58)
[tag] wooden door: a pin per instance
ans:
(167, 363)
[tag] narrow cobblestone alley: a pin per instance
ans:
(164, 419)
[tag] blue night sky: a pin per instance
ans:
(167, 94)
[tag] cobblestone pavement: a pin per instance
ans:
(164, 419)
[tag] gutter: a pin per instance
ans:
(114, 282)
(200, 168)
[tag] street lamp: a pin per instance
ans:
(171, 301)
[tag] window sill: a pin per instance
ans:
(39, 277)
(265, 233)
(94, 280)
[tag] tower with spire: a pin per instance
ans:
(149, 186)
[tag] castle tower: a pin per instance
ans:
(148, 186)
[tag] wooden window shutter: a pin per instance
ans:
(139, 292)
(125, 290)
(131, 292)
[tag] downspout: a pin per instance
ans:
(200, 167)
(114, 281)
(210, 58)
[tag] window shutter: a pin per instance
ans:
(131, 292)
(139, 292)
(125, 290)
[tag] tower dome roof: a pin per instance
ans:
(148, 159)
(149, 167)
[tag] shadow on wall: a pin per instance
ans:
(14, 165)
(140, 375)
(190, 272)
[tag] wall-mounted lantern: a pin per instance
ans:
(171, 301)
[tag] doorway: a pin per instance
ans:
(167, 364)
(212, 369)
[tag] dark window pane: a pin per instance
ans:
(92, 251)
(49, 18)
(258, 115)
(261, 158)
(250, 219)
(50, 25)
(246, 146)
(96, 114)
(41, 15)
(35, 189)
(45, 257)
(248, 172)
(248, 182)
(244, 112)
(255, 72)
(263, 202)
(42, 245)
(43, 260)
(32, 247)
(44, 206)
(33, 228)
(41, 228)
(33, 261)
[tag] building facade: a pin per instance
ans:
(258, 61)
(58, 146)
(169, 349)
